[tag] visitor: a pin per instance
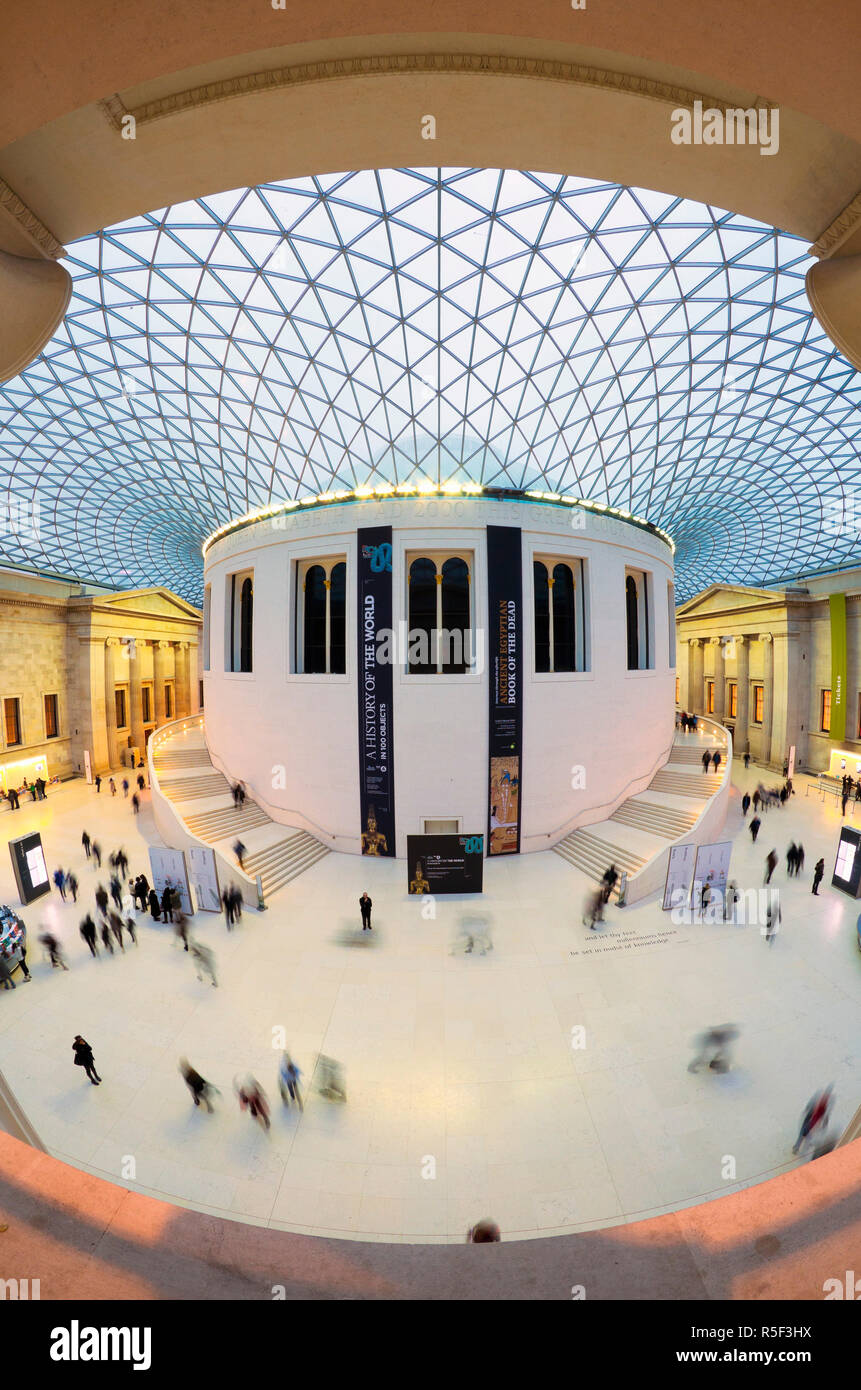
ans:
(288, 1081)
(816, 1114)
(746, 761)
(799, 859)
(116, 890)
(745, 804)
(713, 1048)
(707, 757)
(97, 854)
(136, 804)
(818, 875)
(98, 782)
(236, 901)
(55, 954)
(6, 972)
(181, 929)
(200, 1089)
(239, 851)
(84, 1058)
(770, 864)
(716, 760)
(106, 936)
(791, 859)
(88, 932)
(754, 828)
(204, 961)
(252, 1098)
(141, 782)
(72, 885)
(60, 881)
(365, 905)
(485, 1232)
(116, 922)
(593, 912)
(85, 841)
(113, 786)
(154, 905)
(772, 921)
(608, 881)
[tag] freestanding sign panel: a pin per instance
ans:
(168, 867)
(680, 872)
(445, 863)
(712, 868)
(28, 863)
(847, 868)
(376, 680)
(505, 648)
(203, 872)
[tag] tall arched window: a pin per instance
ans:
(246, 623)
(560, 615)
(439, 614)
(633, 620)
(321, 620)
(240, 618)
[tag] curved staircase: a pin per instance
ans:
(641, 826)
(202, 798)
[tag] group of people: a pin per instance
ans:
(65, 881)
(846, 785)
(687, 721)
(250, 1094)
(238, 790)
(231, 901)
(38, 792)
(711, 759)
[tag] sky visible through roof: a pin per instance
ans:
(518, 330)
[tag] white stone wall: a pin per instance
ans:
(611, 723)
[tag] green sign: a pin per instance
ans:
(837, 606)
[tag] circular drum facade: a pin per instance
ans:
(359, 655)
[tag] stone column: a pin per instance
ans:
(136, 693)
(683, 670)
(767, 694)
(159, 675)
(180, 685)
(110, 648)
(742, 675)
(719, 678)
(697, 690)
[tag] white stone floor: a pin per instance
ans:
(466, 1097)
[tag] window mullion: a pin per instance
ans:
(550, 617)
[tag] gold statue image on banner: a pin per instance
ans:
(419, 884)
(373, 840)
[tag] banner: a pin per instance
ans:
(837, 608)
(444, 864)
(680, 872)
(376, 726)
(505, 648)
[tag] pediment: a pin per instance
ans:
(719, 598)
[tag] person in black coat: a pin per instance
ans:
(84, 1058)
(154, 908)
(818, 875)
(365, 905)
(88, 932)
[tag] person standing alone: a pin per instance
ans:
(84, 1058)
(365, 905)
(818, 875)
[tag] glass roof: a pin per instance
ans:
(519, 330)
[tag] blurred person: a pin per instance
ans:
(125, 786)
(60, 881)
(730, 900)
(791, 859)
(818, 875)
(116, 922)
(101, 898)
(116, 890)
(55, 954)
(200, 1090)
(130, 914)
(85, 841)
(113, 786)
(484, 1232)
(799, 859)
(239, 851)
(593, 910)
(816, 1114)
(141, 782)
(713, 1048)
(608, 881)
(754, 828)
(98, 781)
(330, 1078)
(770, 864)
(106, 936)
(707, 758)
(181, 930)
(236, 901)
(97, 854)
(252, 1098)
(84, 1058)
(288, 1081)
(72, 885)
(772, 921)
(745, 804)
(6, 972)
(204, 961)
(716, 760)
(88, 932)
(136, 804)
(746, 761)
(227, 904)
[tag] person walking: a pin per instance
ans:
(746, 761)
(745, 804)
(252, 1098)
(136, 804)
(288, 1081)
(98, 782)
(113, 786)
(799, 859)
(84, 1058)
(816, 1114)
(754, 828)
(129, 914)
(818, 875)
(845, 795)
(117, 929)
(141, 782)
(102, 899)
(21, 952)
(365, 905)
(204, 961)
(166, 904)
(52, 946)
(85, 841)
(770, 864)
(60, 881)
(772, 921)
(200, 1089)
(125, 786)
(181, 930)
(593, 912)
(122, 862)
(716, 760)
(88, 932)
(239, 851)
(227, 904)
(608, 881)
(106, 936)
(6, 972)
(707, 757)
(236, 901)
(72, 885)
(730, 899)
(97, 854)
(791, 859)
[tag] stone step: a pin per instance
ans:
(190, 788)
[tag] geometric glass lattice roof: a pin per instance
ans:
(519, 330)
